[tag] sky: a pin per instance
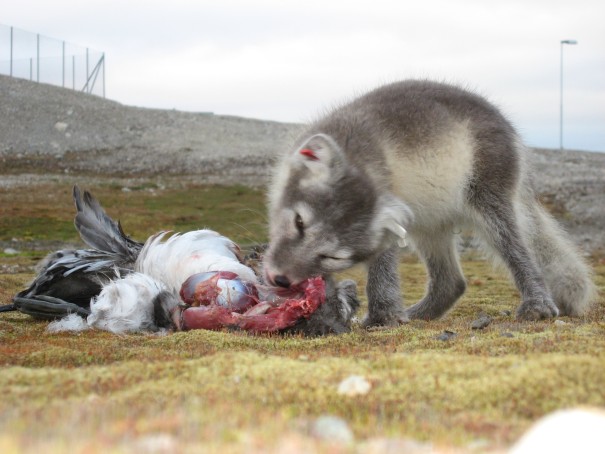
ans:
(292, 60)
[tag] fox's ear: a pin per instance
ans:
(394, 217)
(321, 156)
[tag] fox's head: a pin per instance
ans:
(326, 214)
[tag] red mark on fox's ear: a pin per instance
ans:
(309, 154)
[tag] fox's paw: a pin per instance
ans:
(385, 320)
(538, 308)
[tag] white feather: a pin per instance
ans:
(125, 305)
(174, 260)
(71, 322)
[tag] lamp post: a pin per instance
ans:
(563, 42)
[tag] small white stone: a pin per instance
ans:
(354, 385)
(156, 443)
(560, 323)
(10, 251)
(61, 126)
(395, 445)
(332, 429)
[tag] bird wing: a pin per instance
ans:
(99, 231)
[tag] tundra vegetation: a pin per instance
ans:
(440, 382)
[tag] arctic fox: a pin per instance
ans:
(418, 159)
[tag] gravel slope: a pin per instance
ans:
(47, 131)
(59, 130)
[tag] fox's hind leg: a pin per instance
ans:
(446, 282)
(499, 226)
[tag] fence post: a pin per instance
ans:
(38, 58)
(11, 64)
(103, 57)
(87, 76)
(63, 63)
(48, 45)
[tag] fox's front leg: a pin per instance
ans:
(385, 305)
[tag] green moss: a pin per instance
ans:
(238, 212)
(428, 396)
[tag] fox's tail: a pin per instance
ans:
(566, 273)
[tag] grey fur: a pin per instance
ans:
(383, 289)
(334, 316)
(428, 158)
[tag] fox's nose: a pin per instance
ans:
(282, 281)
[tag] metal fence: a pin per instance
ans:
(38, 58)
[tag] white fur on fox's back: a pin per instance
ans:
(433, 184)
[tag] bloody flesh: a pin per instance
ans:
(283, 311)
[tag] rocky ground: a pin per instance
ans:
(54, 130)
(48, 133)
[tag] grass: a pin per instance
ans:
(47, 213)
(232, 392)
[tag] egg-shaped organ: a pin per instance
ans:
(219, 287)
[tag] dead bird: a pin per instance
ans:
(122, 285)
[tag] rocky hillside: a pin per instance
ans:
(46, 130)
(59, 130)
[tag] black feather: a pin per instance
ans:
(72, 275)
(101, 232)
(163, 305)
(71, 278)
(47, 307)
(7, 308)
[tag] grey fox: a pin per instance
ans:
(418, 159)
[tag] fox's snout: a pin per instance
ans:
(276, 279)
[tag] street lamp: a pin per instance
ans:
(571, 42)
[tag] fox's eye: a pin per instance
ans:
(300, 225)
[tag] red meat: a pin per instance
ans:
(283, 311)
